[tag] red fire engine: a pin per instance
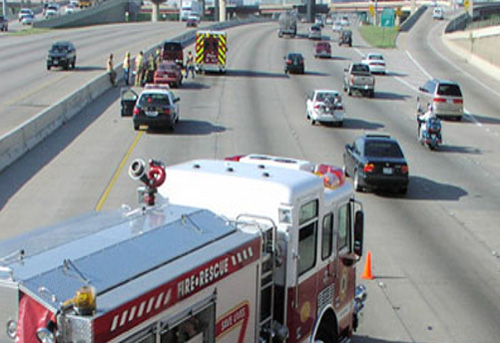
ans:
(281, 270)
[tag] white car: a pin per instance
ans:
(337, 26)
(25, 12)
(438, 13)
(325, 106)
(344, 21)
(315, 32)
(375, 62)
(51, 11)
(28, 20)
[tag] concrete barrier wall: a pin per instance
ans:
(411, 20)
(478, 47)
(20, 140)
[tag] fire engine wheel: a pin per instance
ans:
(325, 337)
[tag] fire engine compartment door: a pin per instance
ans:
(195, 324)
(211, 47)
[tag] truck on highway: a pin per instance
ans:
(288, 24)
(259, 269)
(191, 8)
(358, 77)
(211, 48)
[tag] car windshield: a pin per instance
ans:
(172, 47)
(346, 33)
(449, 90)
(360, 68)
(383, 149)
(375, 57)
(167, 67)
(59, 48)
(151, 99)
(326, 97)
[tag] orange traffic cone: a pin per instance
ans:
(367, 274)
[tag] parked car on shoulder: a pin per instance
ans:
(325, 106)
(323, 49)
(376, 162)
(25, 12)
(444, 96)
(170, 73)
(172, 51)
(154, 107)
(4, 23)
(28, 20)
(375, 62)
(51, 11)
(62, 54)
(294, 63)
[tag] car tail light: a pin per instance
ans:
(339, 107)
(136, 111)
(288, 61)
(405, 169)
(352, 78)
(166, 111)
(439, 100)
(316, 106)
(369, 167)
(301, 62)
(458, 101)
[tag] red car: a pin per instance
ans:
(323, 49)
(168, 73)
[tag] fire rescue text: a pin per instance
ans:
(202, 278)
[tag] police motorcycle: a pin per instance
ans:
(429, 132)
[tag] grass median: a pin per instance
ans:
(27, 32)
(379, 37)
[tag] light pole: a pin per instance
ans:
(4, 8)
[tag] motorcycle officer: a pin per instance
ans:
(422, 121)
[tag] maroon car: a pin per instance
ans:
(169, 73)
(323, 49)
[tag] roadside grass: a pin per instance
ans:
(27, 32)
(379, 37)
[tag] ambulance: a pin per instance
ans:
(271, 259)
(211, 49)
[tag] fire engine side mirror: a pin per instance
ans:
(358, 233)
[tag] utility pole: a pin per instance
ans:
(4, 8)
(222, 10)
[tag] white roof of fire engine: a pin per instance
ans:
(243, 187)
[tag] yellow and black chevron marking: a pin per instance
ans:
(200, 48)
(222, 49)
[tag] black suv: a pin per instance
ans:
(345, 37)
(4, 23)
(294, 63)
(376, 161)
(62, 54)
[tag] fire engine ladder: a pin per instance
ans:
(268, 265)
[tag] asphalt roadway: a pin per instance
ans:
(434, 251)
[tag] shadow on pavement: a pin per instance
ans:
(192, 85)
(88, 68)
(422, 188)
(395, 73)
(359, 124)
(316, 73)
(391, 96)
(253, 73)
(483, 120)
(458, 149)
(20, 172)
(191, 127)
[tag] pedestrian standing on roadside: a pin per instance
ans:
(111, 70)
(126, 68)
(139, 68)
(190, 64)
